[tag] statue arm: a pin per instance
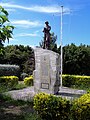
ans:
(49, 28)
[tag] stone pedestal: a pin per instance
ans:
(46, 73)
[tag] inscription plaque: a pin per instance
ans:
(45, 70)
(45, 85)
(45, 66)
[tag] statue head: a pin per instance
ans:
(46, 22)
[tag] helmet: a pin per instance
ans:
(46, 22)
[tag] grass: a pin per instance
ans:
(20, 86)
(33, 116)
(4, 88)
(82, 87)
(16, 110)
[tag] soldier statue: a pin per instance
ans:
(46, 31)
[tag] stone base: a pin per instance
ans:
(27, 94)
(46, 74)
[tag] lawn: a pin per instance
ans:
(4, 88)
(16, 110)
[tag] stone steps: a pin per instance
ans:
(70, 93)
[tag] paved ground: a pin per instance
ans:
(23, 94)
(28, 93)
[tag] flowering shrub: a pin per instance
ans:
(81, 108)
(50, 107)
(28, 81)
(9, 80)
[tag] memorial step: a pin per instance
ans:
(70, 93)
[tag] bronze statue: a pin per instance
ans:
(46, 31)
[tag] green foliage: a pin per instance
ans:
(6, 30)
(23, 56)
(9, 70)
(3, 88)
(76, 59)
(53, 45)
(50, 107)
(28, 81)
(20, 86)
(76, 80)
(2, 52)
(32, 116)
(9, 81)
(6, 88)
(68, 80)
(81, 108)
(82, 80)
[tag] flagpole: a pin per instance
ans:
(61, 47)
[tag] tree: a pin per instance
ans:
(20, 55)
(76, 59)
(6, 30)
(53, 45)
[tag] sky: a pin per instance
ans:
(29, 16)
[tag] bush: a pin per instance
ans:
(10, 81)
(70, 80)
(28, 81)
(81, 108)
(82, 80)
(9, 70)
(23, 75)
(50, 107)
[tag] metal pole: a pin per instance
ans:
(61, 45)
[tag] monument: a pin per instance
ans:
(46, 73)
(47, 66)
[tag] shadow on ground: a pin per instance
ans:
(12, 111)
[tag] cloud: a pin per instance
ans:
(41, 9)
(26, 23)
(27, 35)
(10, 10)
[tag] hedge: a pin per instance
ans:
(28, 81)
(70, 80)
(81, 108)
(50, 107)
(9, 80)
(9, 70)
